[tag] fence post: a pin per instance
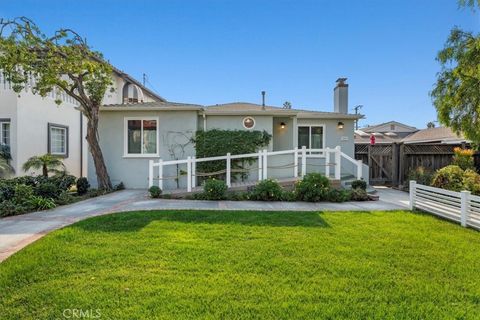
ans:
(338, 162)
(295, 162)
(260, 165)
(150, 173)
(464, 200)
(229, 172)
(327, 162)
(304, 161)
(413, 190)
(359, 169)
(265, 155)
(194, 172)
(189, 174)
(160, 174)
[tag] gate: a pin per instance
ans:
(382, 160)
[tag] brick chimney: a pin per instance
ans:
(340, 96)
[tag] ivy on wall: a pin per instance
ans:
(217, 142)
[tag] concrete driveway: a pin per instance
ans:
(18, 231)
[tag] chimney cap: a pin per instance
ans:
(341, 81)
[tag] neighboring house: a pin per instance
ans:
(31, 125)
(384, 133)
(132, 134)
(440, 135)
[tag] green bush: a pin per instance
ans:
(10, 208)
(155, 191)
(359, 195)
(449, 178)
(340, 195)
(267, 190)
(47, 190)
(40, 203)
(23, 193)
(421, 175)
(214, 189)
(313, 187)
(471, 181)
(463, 158)
(289, 196)
(119, 186)
(7, 190)
(64, 197)
(362, 184)
(63, 181)
(82, 185)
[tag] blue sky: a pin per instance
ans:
(221, 51)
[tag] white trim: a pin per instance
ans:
(324, 135)
(2, 123)
(254, 122)
(125, 139)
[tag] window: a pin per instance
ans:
(141, 136)
(311, 137)
(392, 127)
(248, 123)
(5, 132)
(58, 140)
(132, 93)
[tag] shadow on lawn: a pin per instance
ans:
(134, 221)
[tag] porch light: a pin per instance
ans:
(282, 125)
(340, 125)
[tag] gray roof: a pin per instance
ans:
(431, 135)
(396, 123)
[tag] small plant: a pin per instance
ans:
(63, 181)
(463, 158)
(289, 196)
(47, 190)
(7, 190)
(421, 175)
(64, 198)
(120, 186)
(22, 194)
(359, 184)
(359, 195)
(155, 192)
(82, 185)
(267, 190)
(10, 208)
(40, 203)
(313, 187)
(214, 189)
(471, 181)
(335, 195)
(48, 163)
(449, 178)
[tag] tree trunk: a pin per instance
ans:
(45, 170)
(103, 178)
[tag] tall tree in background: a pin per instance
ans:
(62, 62)
(456, 94)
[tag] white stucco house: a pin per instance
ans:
(31, 125)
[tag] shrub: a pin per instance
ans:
(23, 193)
(267, 190)
(63, 181)
(40, 203)
(449, 178)
(289, 196)
(463, 158)
(64, 198)
(421, 175)
(359, 195)
(10, 208)
(214, 189)
(92, 193)
(120, 186)
(362, 184)
(313, 187)
(7, 190)
(471, 181)
(237, 196)
(82, 185)
(47, 190)
(340, 195)
(155, 192)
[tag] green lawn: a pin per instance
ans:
(263, 265)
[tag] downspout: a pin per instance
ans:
(204, 122)
(81, 144)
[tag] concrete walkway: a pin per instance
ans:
(18, 231)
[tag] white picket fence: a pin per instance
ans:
(462, 207)
(332, 159)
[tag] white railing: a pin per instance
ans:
(262, 156)
(461, 207)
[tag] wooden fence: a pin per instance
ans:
(462, 207)
(390, 164)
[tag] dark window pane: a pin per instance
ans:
(134, 136)
(317, 137)
(303, 137)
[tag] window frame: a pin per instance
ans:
(249, 117)
(67, 139)
(310, 125)
(125, 139)
(9, 122)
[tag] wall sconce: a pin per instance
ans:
(282, 125)
(340, 125)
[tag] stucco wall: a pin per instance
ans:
(175, 130)
(282, 137)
